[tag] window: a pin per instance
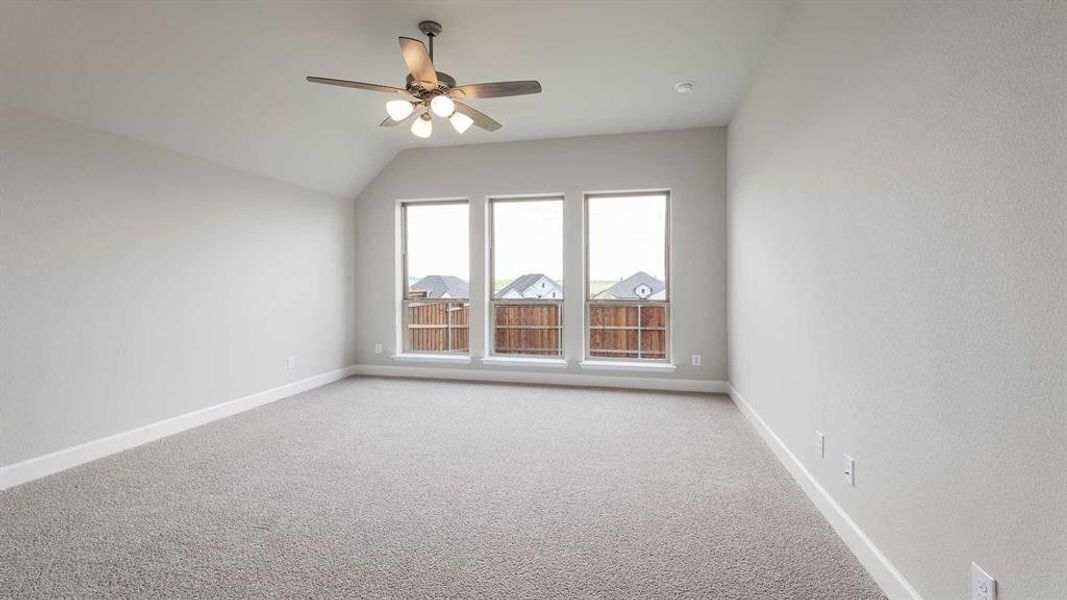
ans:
(526, 268)
(435, 251)
(627, 276)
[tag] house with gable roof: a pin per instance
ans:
(639, 286)
(531, 285)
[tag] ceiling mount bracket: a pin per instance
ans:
(430, 28)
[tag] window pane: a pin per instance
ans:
(527, 249)
(627, 314)
(438, 247)
(527, 266)
(628, 247)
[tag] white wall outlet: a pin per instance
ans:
(377, 348)
(820, 444)
(290, 363)
(983, 587)
(696, 360)
(850, 471)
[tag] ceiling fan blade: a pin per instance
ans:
(389, 122)
(480, 119)
(497, 89)
(359, 85)
(418, 61)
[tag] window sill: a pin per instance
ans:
(456, 359)
(611, 365)
(514, 361)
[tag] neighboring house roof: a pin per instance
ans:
(626, 289)
(523, 283)
(442, 286)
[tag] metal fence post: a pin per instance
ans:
(640, 329)
(448, 326)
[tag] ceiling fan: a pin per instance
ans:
(428, 90)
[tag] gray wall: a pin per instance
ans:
(692, 163)
(898, 242)
(138, 284)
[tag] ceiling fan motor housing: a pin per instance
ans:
(445, 82)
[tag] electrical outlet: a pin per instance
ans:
(696, 360)
(290, 363)
(850, 471)
(983, 587)
(377, 348)
(820, 444)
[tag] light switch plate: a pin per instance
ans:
(290, 363)
(983, 587)
(850, 471)
(820, 444)
(377, 348)
(696, 360)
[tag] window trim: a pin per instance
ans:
(403, 334)
(588, 300)
(491, 282)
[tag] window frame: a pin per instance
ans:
(589, 301)
(494, 301)
(405, 297)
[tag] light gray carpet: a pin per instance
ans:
(381, 488)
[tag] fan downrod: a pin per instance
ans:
(432, 29)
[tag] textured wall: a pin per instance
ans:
(692, 163)
(898, 241)
(138, 284)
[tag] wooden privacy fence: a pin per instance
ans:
(618, 331)
(532, 329)
(628, 331)
(438, 326)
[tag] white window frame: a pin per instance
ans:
(588, 300)
(494, 301)
(404, 335)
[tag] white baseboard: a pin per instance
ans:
(546, 378)
(35, 468)
(892, 582)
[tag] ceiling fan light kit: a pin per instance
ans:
(423, 126)
(442, 106)
(430, 92)
(399, 109)
(460, 122)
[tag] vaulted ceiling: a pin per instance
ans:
(225, 80)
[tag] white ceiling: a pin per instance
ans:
(225, 80)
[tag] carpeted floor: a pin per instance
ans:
(385, 488)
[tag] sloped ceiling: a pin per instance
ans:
(225, 80)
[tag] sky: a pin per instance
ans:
(437, 240)
(528, 238)
(626, 235)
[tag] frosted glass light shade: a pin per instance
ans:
(460, 122)
(422, 127)
(398, 109)
(442, 106)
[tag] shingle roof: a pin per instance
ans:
(625, 288)
(437, 286)
(523, 282)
